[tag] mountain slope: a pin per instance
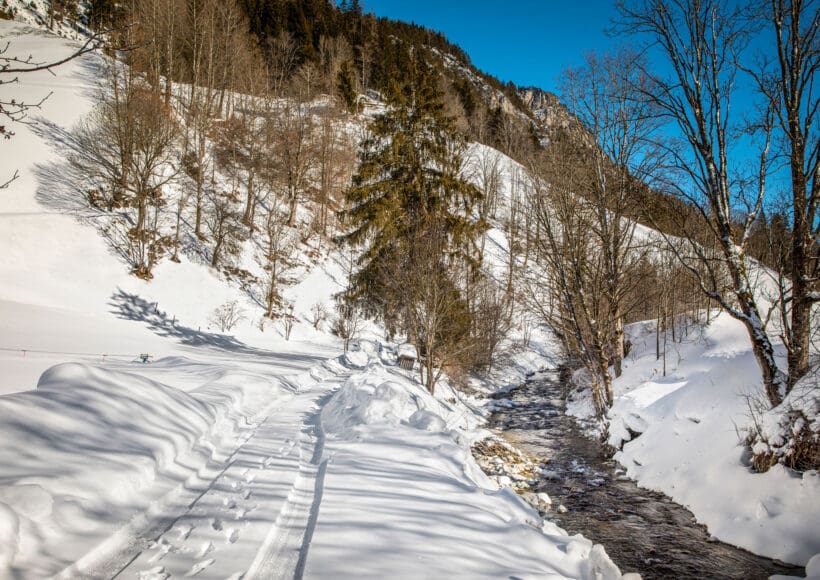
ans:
(224, 454)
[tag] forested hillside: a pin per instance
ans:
(230, 131)
(238, 189)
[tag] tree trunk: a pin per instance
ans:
(292, 203)
(250, 203)
(617, 342)
(198, 217)
(217, 250)
(799, 333)
(175, 257)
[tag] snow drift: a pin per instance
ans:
(90, 446)
(682, 434)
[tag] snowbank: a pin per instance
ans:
(403, 496)
(690, 425)
(91, 446)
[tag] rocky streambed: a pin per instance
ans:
(544, 456)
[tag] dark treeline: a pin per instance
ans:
(373, 39)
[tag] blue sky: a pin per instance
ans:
(531, 42)
(528, 42)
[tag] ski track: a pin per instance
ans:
(250, 516)
(284, 553)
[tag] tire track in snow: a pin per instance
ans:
(285, 551)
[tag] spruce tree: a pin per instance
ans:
(409, 196)
(346, 87)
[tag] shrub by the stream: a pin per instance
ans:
(788, 434)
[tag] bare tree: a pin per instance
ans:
(334, 162)
(288, 319)
(243, 141)
(786, 79)
(606, 96)
(125, 149)
(700, 39)
(437, 315)
(349, 318)
(516, 226)
(158, 27)
(484, 168)
(492, 310)
(212, 30)
(571, 297)
(15, 110)
(224, 224)
(319, 314)
(334, 54)
(227, 316)
(294, 151)
(282, 54)
(277, 255)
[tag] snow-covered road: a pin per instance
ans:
(249, 513)
(348, 469)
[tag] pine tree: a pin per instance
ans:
(346, 86)
(407, 197)
(103, 14)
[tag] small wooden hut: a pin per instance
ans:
(407, 356)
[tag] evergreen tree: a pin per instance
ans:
(105, 14)
(346, 86)
(408, 197)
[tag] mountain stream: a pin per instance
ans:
(642, 531)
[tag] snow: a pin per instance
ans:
(98, 441)
(231, 460)
(247, 454)
(692, 420)
(689, 445)
(445, 519)
(407, 350)
(812, 571)
(228, 456)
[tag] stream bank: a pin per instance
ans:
(643, 531)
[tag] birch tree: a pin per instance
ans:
(700, 41)
(785, 79)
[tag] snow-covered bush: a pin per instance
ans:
(789, 433)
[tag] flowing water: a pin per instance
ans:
(643, 531)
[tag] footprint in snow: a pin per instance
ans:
(199, 567)
(242, 512)
(249, 477)
(205, 549)
(157, 573)
(163, 548)
(184, 531)
(232, 535)
(246, 494)
(286, 449)
(229, 503)
(216, 524)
